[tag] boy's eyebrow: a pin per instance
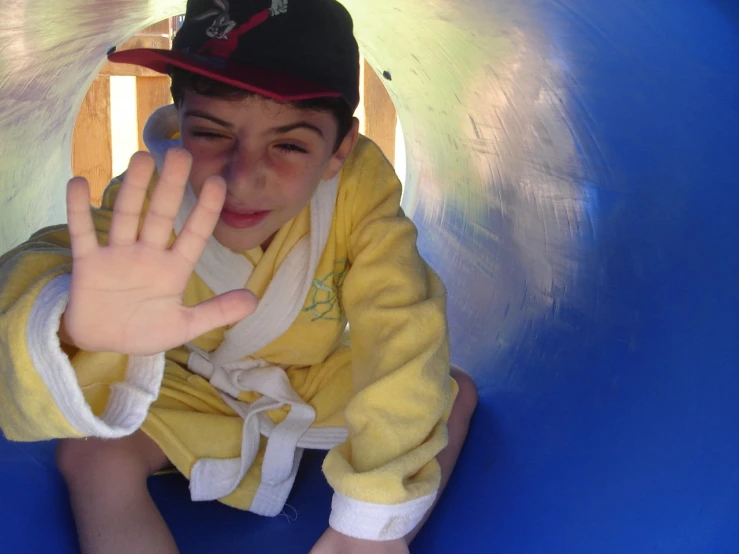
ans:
(296, 125)
(273, 131)
(204, 115)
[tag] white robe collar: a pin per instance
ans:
(228, 367)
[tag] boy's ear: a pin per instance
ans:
(342, 153)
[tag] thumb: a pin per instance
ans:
(225, 309)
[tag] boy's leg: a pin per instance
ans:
(109, 496)
(458, 424)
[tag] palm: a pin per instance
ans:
(128, 299)
(127, 296)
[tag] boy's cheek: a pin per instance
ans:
(196, 183)
(200, 172)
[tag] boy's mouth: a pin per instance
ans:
(242, 219)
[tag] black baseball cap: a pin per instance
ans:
(287, 50)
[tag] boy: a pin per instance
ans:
(138, 326)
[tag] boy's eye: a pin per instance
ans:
(290, 148)
(208, 135)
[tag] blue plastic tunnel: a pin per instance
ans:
(573, 166)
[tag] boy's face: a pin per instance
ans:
(272, 156)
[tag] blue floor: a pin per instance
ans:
(576, 184)
(35, 513)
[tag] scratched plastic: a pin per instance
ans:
(572, 167)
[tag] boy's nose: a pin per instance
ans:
(243, 173)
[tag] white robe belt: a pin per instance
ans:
(212, 478)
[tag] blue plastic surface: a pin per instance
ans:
(581, 199)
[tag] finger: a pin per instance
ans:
(199, 227)
(79, 219)
(166, 199)
(124, 227)
(225, 309)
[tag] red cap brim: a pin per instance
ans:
(271, 84)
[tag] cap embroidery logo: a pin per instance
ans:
(225, 33)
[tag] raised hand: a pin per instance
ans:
(127, 296)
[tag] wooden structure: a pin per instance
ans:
(92, 142)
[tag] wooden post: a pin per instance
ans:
(92, 141)
(379, 112)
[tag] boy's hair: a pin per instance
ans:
(183, 80)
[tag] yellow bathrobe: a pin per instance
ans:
(234, 410)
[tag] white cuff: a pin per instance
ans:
(128, 402)
(377, 522)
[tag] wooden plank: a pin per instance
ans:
(161, 28)
(138, 41)
(151, 93)
(125, 70)
(92, 147)
(379, 112)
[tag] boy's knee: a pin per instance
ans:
(467, 396)
(130, 456)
